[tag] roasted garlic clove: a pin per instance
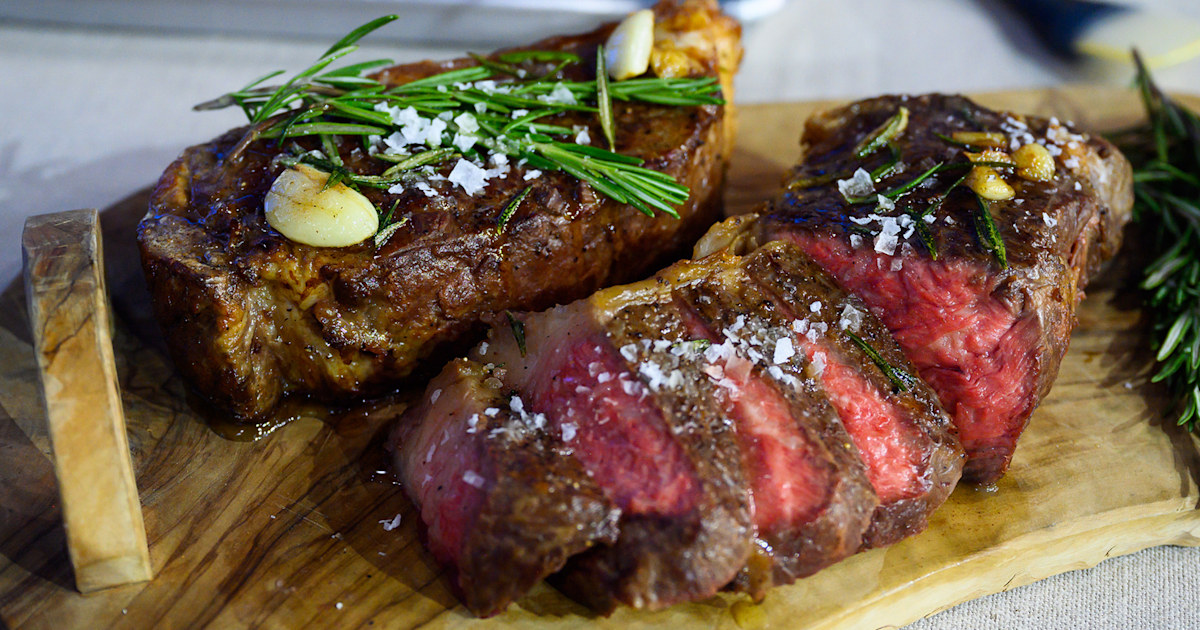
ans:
(1034, 163)
(627, 51)
(298, 206)
(988, 184)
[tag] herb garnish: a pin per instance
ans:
(900, 378)
(343, 102)
(1165, 152)
(518, 330)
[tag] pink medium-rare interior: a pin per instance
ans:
(894, 461)
(972, 349)
(608, 419)
(443, 466)
(786, 487)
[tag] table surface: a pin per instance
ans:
(92, 116)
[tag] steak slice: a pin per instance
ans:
(906, 441)
(503, 507)
(657, 447)
(987, 333)
(812, 500)
(251, 317)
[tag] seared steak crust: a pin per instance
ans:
(251, 316)
(988, 339)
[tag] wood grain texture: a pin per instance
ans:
(278, 532)
(68, 307)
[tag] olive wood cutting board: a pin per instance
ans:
(289, 531)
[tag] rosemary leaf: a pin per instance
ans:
(518, 330)
(511, 208)
(900, 378)
(884, 134)
(989, 236)
(604, 100)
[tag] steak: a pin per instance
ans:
(495, 490)
(743, 436)
(985, 323)
(251, 317)
(662, 454)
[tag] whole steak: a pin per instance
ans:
(970, 234)
(252, 317)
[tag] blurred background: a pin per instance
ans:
(97, 98)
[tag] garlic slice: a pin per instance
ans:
(300, 210)
(627, 51)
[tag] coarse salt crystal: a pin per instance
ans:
(783, 350)
(582, 137)
(886, 243)
(463, 141)
(396, 189)
(472, 478)
(435, 395)
(886, 204)
(818, 363)
(815, 307)
(1049, 220)
(568, 431)
(629, 351)
(390, 524)
(855, 240)
(532, 173)
(560, 94)
(850, 319)
(859, 185)
(491, 412)
(466, 123)
(468, 176)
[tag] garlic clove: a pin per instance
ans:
(987, 183)
(627, 51)
(300, 210)
(1034, 163)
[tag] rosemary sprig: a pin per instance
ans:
(510, 101)
(1165, 152)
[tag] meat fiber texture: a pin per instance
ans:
(251, 317)
(722, 408)
(987, 337)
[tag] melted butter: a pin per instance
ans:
(294, 408)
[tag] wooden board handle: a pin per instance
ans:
(68, 310)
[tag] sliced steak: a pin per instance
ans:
(251, 317)
(812, 500)
(987, 333)
(502, 505)
(746, 439)
(906, 441)
(657, 446)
